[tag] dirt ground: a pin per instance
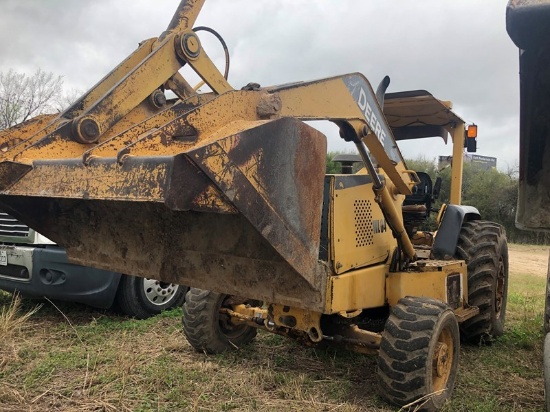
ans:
(528, 259)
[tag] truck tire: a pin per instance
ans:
(483, 246)
(142, 298)
(206, 329)
(419, 354)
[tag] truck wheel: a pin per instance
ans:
(208, 330)
(483, 246)
(419, 354)
(142, 298)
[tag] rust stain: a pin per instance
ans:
(100, 181)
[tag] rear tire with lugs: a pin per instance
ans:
(208, 330)
(419, 354)
(483, 246)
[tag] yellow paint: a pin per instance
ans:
(208, 72)
(428, 281)
(232, 112)
(394, 215)
(330, 99)
(358, 289)
(304, 320)
(458, 164)
(116, 75)
(99, 181)
(355, 243)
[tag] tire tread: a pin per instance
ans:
(480, 244)
(404, 350)
(201, 324)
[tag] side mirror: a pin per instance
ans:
(437, 188)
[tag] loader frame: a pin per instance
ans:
(226, 192)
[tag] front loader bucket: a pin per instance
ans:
(528, 25)
(240, 214)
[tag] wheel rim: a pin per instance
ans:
(443, 358)
(159, 293)
(499, 292)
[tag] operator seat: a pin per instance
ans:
(417, 206)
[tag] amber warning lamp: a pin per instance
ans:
(471, 138)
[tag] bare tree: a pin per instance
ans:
(23, 96)
(66, 99)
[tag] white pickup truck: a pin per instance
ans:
(34, 266)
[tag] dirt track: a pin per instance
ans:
(529, 259)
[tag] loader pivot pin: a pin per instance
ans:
(190, 45)
(158, 99)
(86, 130)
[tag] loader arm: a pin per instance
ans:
(135, 83)
(352, 105)
(128, 181)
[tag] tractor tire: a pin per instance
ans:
(208, 330)
(142, 298)
(483, 246)
(419, 354)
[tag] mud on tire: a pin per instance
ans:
(483, 246)
(206, 329)
(419, 354)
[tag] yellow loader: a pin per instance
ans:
(226, 192)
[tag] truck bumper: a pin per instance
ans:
(46, 272)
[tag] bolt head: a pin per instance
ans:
(192, 44)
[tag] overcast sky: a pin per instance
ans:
(457, 50)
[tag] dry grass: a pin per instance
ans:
(12, 323)
(11, 320)
(104, 362)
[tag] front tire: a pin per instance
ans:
(206, 329)
(483, 246)
(142, 298)
(419, 354)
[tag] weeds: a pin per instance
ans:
(11, 318)
(12, 322)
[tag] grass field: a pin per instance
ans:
(74, 358)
